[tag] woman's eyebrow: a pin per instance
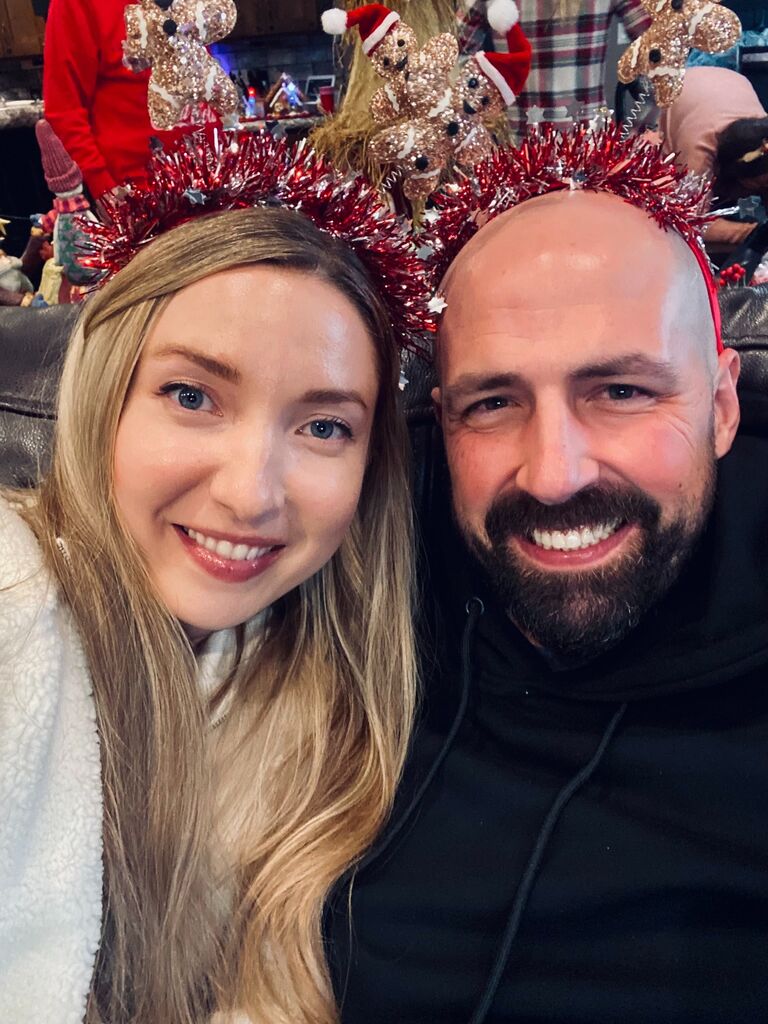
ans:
(330, 396)
(215, 366)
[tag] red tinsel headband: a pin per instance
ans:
(599, 160)
(211, 171)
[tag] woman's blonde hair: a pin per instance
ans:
(296, 782)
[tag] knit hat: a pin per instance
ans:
(373, 20)
(61, 172)
(507, 71)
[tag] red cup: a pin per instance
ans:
(327, 98)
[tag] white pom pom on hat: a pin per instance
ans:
(502, 15)
(373, 20)
(334, 21)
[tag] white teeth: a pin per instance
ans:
(574, 540)
(226, 549)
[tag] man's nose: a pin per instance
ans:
(557, 459)
(249, 479)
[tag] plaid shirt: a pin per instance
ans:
(567, 69)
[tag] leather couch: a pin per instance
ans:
(33, 342)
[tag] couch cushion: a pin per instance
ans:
(32, 346)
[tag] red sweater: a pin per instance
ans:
(96, 106)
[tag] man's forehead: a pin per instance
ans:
(542, 282)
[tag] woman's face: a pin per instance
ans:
(242, 446)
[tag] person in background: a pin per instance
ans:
(569, 40)
(96, 106)
(718, 127)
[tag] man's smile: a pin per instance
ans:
(584, 547)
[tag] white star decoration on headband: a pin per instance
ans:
(436, 304)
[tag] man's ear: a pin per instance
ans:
(726, 400)
(437, 404)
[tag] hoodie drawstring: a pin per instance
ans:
(534, 862)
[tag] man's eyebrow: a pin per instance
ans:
(331, 396)
(215, 366)
(632, 365)
(472, 383)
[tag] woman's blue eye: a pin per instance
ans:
(327, 430)
(187, 396)
(190, 398)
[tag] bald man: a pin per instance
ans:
(581, 835)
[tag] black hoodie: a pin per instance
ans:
(586, 846)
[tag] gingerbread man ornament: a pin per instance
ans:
(449, 126)
(415, 78)
(170, 37)
(487, 84)
(661, 51)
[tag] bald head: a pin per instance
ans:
(584, 263)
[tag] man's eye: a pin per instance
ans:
(328, 430)
(491, 404)
(623, 392)
(188, 397)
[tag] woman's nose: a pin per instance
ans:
(249, 476)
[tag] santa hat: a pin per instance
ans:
(61, 172)
(507, 71)
(373, 20)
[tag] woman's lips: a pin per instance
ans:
(227, 569)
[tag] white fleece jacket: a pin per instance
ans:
(50, 795)
(50, 790)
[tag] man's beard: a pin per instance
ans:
(575, 614)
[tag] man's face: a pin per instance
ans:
(584, 409)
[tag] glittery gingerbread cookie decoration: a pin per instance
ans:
(487, 84)
(660, 53)
(170, 37)
(450, 124)
(394, 51)
(417, 150)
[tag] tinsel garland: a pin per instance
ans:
(212, 171)
(551, 160)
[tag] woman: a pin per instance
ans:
(221, 551)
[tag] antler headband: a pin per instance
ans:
(598, 160)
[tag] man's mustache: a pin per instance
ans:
(519, 513)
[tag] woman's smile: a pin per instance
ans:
(231, 560)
